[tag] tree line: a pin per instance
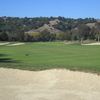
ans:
(16, 29)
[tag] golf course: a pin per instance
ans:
(50, 55)
(46, 70)
(50, 50)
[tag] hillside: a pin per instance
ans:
(48, 29)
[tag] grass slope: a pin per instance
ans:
(39, 56)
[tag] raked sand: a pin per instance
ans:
(55, 84)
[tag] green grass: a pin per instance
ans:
(47, 55)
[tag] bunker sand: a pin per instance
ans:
(48, 85)
(16, 44)
(97, 43)
(4, 43)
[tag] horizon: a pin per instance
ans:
(49, 17)
(55, 8)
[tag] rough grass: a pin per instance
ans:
(46, 55)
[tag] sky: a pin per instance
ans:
(47, 8)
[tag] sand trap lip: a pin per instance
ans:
(48, 85)
(16, 44)
(5, 43)
(97, 43)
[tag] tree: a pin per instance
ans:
(74, 34)
(3, 36)
(83, 31)
(45, 35)
(97, 26)
(92, 34)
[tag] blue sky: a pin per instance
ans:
(36, 8)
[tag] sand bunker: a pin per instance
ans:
(5, 43)
(48, 85)
(97, 43)
(16, 44)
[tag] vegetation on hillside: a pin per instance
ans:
(48, 29)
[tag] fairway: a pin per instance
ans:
(47, 55)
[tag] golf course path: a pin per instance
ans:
(55, 84)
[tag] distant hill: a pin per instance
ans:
(48, 28)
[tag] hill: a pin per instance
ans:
(48, 29)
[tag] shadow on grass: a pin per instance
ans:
(1, 55)
(4, 59)
(8, 60)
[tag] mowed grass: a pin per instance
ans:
(47, 55)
